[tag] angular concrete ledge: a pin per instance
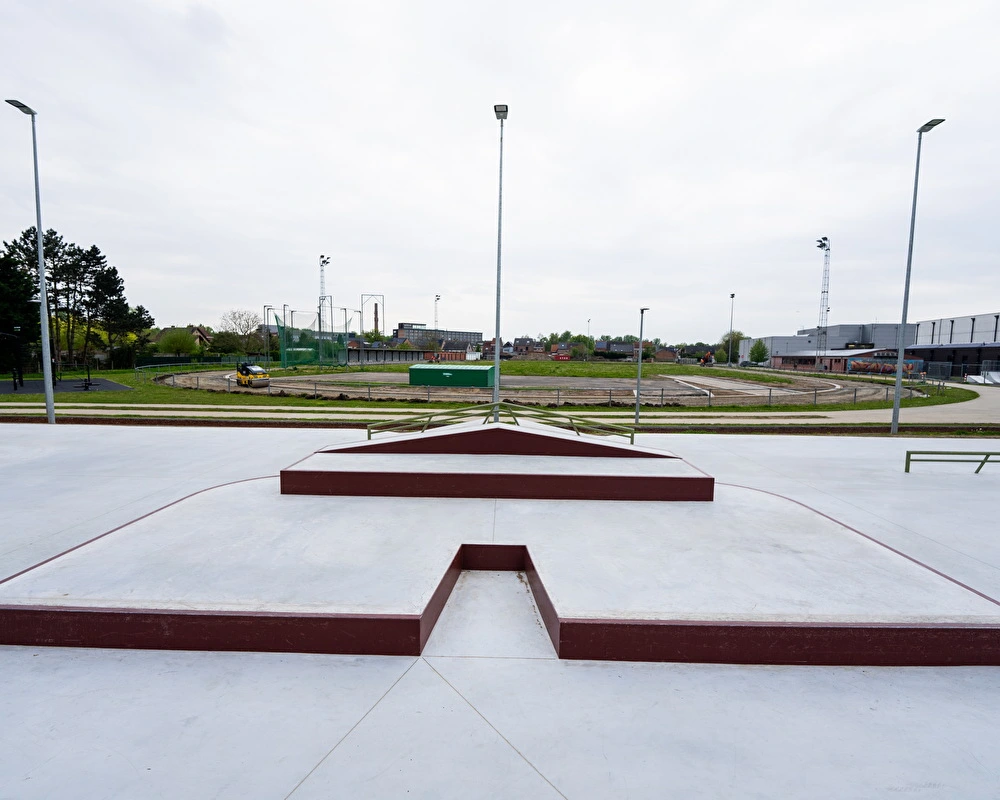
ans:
(723, 642)
(498, 461)
(497, 476)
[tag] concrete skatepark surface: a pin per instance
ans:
(487, 710)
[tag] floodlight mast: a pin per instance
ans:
(823, 244)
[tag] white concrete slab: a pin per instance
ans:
(747, 556)
(424, 740)
(672, 730)
(490, 614)
(126, 724)
(245, 547)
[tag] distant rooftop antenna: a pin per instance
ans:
(824, 301)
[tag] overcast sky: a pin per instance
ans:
(657, 154)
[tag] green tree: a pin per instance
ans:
(19, 322)
(177, 342)
(722, 350)
(759, 352)
(227, 342)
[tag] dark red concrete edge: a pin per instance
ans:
(504, 486)
(162, 629)
(829, 644)
(835, 644)
(434, 607)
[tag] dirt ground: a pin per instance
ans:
(657, 390)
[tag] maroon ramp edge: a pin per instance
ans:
(498, 440)
(868, 644)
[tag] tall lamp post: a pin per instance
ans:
(501, 112)
(732, 305)
(267, 334)
(43, 303)
(901, 337)
(638, 374)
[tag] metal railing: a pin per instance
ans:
(509, 413)
(143, 373)
(981, 457)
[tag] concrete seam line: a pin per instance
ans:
(355, 725)
(494, 728)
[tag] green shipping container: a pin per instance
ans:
(447, 375)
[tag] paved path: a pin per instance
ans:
(985, 410)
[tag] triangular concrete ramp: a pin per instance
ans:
(500, 461)
(527, 439)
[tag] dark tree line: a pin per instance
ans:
(86, 299)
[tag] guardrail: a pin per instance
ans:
(981, 457)
(146, 370)
(508, 413)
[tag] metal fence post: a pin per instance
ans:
(609, 398)
(369, 392)
(229, 388)
(173, 380)
(815, 396)
(886, 392)
(557, 395)
(197, 381)
(769, 395)
(428, 394)
(855, 395)
(709, 398)
(661, 395)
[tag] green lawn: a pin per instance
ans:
(145, 391)
(569, 369)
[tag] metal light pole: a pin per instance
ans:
(267, 334)
(900, 339)
(437, 297)
(638, 375)
(501, 112)
(43, 303)
(732, 305)
(284, 334)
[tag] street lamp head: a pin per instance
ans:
(922, 129)
(500, 111)
(732, 295)
(30, 111)
(823, 243)
(643, 310)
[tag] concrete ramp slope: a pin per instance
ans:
(988, 378)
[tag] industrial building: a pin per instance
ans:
(419, 335)
(948, 346)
